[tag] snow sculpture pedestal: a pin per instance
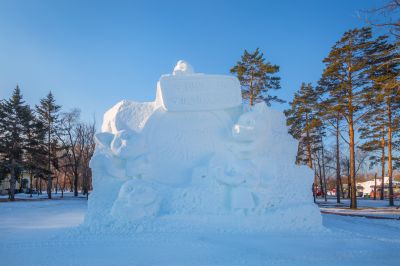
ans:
(195, 159)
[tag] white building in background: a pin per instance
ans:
(367, 187)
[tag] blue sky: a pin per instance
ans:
(92, 54)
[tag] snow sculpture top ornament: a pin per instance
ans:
(183, 68)
(195, 158)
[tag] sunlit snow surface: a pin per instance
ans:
(48, 233)
(196, 159)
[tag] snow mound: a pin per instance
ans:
(195, 159)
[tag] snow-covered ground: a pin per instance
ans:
(46, 232)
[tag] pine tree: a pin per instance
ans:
(347, 65)
(4, 171)
(319, 156)
(257, 78)
(302, 121)
(48, 116)
(373, 132)
(385, 96)
(305, 126)
(14, 114)
(35, 149)
(329, 110)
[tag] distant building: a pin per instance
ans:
(367, 188)
(5, 184)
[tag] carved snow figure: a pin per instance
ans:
(136, 199)
(194, 157)
(183, 68)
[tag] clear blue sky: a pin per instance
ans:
(92, 54)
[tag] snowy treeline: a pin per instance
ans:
(44, 148)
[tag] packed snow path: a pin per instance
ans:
(368, 208)
(48, 233)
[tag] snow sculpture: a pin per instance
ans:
(194, 158)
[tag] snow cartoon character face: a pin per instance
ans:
(249, 132)
(136, 200)
(127, 144)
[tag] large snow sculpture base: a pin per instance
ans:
(194, 159)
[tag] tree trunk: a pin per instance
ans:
(20, 177)
(348, 186)
(251, 90)
(389, 142)
(36, 185)
(49, 177)
(338, 180)
(323, 170)
(85, 181)
(71, 184)
(309, 155)
(31, 183)
(375, 186)
(63, 187)
(76, 184)
(382, 197)
(49, 186)
(13, 179)
(341, 188)
(353, 194)
(57, 183)
(320, 176)
(351, 108)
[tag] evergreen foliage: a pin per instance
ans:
(303, 123)
(347, 67)
(48, 112)
(15, 115)
(257, 78)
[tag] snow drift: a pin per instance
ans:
(196, 159)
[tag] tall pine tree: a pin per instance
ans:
(48, 115)
(385, 95)
(347, 65)
(305, 126)
(302, 121)
(35, 149)
(373, 133)
(329, 109)
(257, 78)
(15, 115)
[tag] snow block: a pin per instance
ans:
(197, 92)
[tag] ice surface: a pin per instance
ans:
(46, 233)
(195, 158)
